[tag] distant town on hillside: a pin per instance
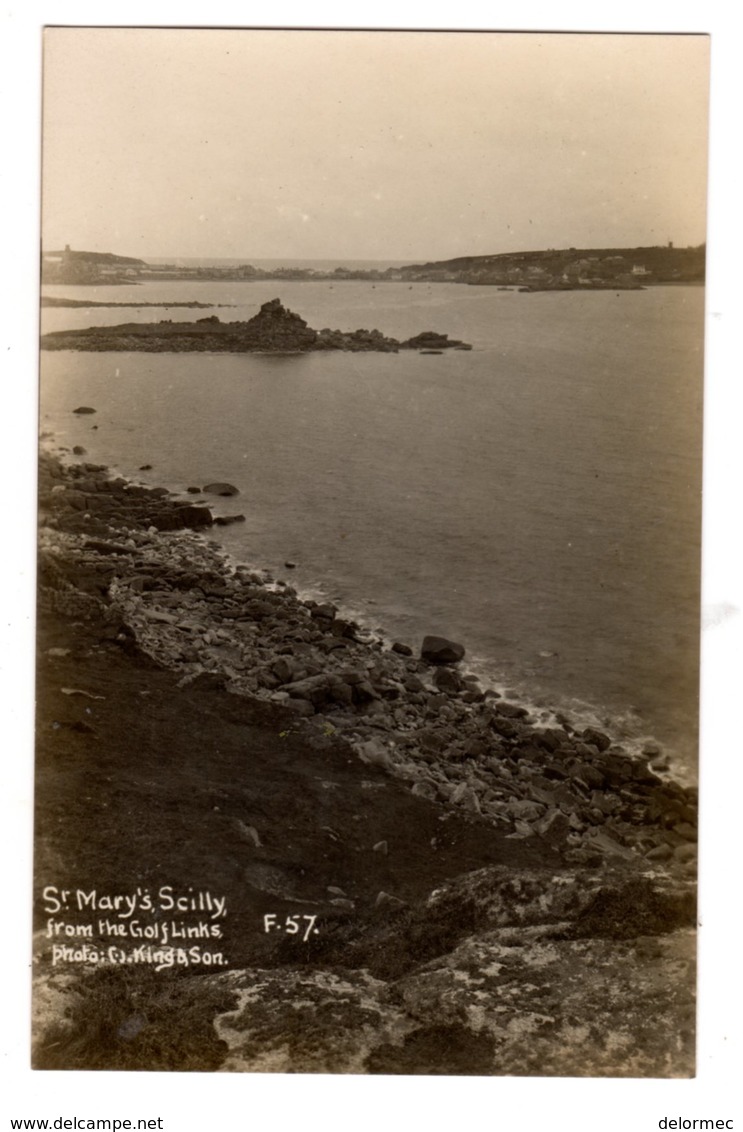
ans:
(553, 269)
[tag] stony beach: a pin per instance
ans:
(495, 895)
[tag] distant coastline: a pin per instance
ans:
(550, 269)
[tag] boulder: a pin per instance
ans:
(386, 900)
(375, 753)
(74, 499)
(221, 489)
(525, 810)
(312, 688)
(554, 828)
(504, 727)
(465, 796)
(300, 706)
(363, 693)
(447, 680)
(284, 669)
(342, 694)
(440, 650)
(591, 735)
(513, 711)
(550, 739)
(325, 610)
(424, 789)
(584, 772)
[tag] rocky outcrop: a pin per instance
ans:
(178, 518)
(84, 498)
(535, 974)
(274, 329)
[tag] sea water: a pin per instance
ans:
(537, 498)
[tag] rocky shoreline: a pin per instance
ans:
(586, 857)
(427, 720)
(273, 330)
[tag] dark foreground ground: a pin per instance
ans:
(367, 928)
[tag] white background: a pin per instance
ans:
(204, 1102)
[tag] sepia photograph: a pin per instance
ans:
(371, 388)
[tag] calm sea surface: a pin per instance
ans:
(537, 498)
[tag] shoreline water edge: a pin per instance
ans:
(561, 808)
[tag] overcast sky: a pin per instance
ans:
(364, 145)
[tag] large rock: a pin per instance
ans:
(221, 489)
(591, 735)
(447, 680)
(440, 650)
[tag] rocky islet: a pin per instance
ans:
(274, 329)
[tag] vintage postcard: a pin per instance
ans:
(371, 387)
